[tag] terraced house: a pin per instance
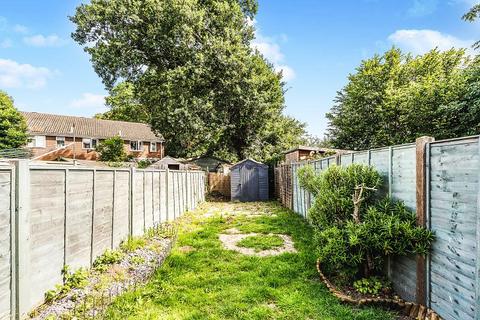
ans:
(57, 136)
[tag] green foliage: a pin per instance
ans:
(187, 68)
(333, 190)
(124, 105)
(371, 285)
(395, 98)
(132, 244)
(112, 150)
(143, 163)
(71, 280)
(13, 128)
(109, 257)
(261, 242)
(348, 248)
(137, 260)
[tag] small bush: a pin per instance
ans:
(355, 243)
(112, 150)
(132, 244)
(372, 285)
(109, 257)
(144, 163)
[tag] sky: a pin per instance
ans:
(317, 44)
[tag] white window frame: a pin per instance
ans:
(91, 141)
(37, 142)
(153, 149)
(61, 139)
(139, 145)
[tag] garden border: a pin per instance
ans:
(409, 309)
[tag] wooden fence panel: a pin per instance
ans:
(453, 215)
(121, 207)
(103, 214)
(138, 216)
(47, 220)
(6, 252)
(219, 182)
(79, 218)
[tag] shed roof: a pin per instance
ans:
(249, 160)
(59, 125)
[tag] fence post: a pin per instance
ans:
(22, 238)
(132, 200)
(167, 208)
(421, 198)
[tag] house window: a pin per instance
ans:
(89, 143)
(153, 147)
(60, 142)
(37, 142)
(136, 145)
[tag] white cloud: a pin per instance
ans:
(17, 75)
(271, 50)
(421, 41)
(44, 41)
(422, 8)
(6, 43)
(89, 100)
(20, 28)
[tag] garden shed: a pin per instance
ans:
(249, 181)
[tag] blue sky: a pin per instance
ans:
(316, 42)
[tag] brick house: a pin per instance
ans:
(54, 136)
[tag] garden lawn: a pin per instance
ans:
(201, 280)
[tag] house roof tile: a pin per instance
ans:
(52, 124)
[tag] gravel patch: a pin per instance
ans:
(135, 268)
(230, 240)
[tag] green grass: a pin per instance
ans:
(261, 242)
(210, 282)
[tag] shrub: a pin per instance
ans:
(371, 285)
(112, 150)
(333, 191)
(144, 163)
(107, 258)
(350, 245)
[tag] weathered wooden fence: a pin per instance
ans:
(219, 182)
(440, 180)
(51, 216)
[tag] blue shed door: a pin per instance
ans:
(249, 183)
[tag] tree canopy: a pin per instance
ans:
(395, 98)
(191, 72)
(13, 128)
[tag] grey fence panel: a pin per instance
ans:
(361, 157)
(121, 207)
(346, 159)
(380, 160)
(138, 216)
(403, 185)
(79, 218)
(170, 196)
(6, 226)
(163, 196)
(148, 199)
(453, 215)
(47, 209)
(103, 214)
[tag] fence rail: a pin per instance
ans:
(440, 181)
(51, 216)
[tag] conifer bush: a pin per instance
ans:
(355, 228)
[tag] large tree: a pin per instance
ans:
(13, 128)
(394, 98)
(190, 65)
